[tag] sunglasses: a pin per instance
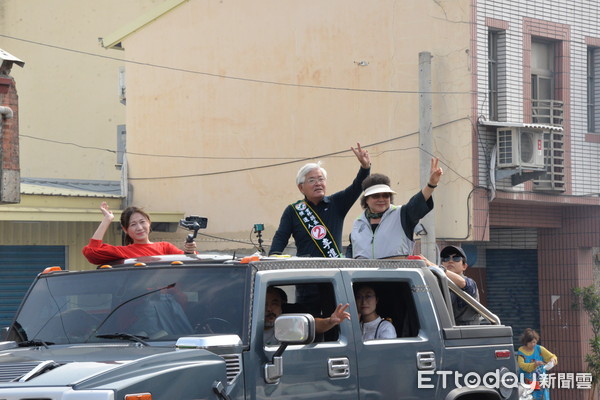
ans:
(453, 258)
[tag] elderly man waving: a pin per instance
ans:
(316, 221)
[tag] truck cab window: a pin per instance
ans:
(317, 299)
(386, 310)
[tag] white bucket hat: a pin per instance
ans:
(378, 189)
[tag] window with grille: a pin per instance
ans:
(593, 89)
(493, 75)
(545, 107)
(497, 83)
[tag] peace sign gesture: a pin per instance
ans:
(362, 155)
(435, 172)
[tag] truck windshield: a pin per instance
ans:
(153, 304)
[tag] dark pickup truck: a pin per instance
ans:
(191, 327)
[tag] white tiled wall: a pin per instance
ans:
(582, 16)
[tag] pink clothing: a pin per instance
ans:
(99, 253)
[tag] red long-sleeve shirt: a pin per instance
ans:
(99, 253)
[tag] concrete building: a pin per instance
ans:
(210, 108)
(60, 136)
(225, 101)
(537, 70)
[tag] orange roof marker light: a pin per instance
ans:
(249, 259)
(177, 263)
(140, 264)
(105, 266)
(139, 396)
(51, 269)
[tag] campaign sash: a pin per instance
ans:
(316, 229)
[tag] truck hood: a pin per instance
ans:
(93, 365)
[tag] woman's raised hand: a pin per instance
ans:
(106, 211)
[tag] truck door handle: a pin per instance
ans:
(426, 360)
(338, 367)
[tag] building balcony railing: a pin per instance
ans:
(547, 112)
(554, 161)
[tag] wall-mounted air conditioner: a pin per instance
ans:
(520, 148)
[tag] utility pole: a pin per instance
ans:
(428, 239)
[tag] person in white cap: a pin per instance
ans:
(385, 230)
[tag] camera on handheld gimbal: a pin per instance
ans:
(258, 228)
(193, 223)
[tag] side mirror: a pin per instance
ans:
(289, 329)
(295, 328)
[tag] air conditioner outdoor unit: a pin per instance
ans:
(520, 148)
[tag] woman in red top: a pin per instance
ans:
(136, 224)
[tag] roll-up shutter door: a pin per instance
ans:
(512, 288)
(19, 265)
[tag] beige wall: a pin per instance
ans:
(68, 93)
(67, 96)
(244, 124)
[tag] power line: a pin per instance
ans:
(68, 143)
(292, 160)
(155, 155)
(269, 165)
(238, 78)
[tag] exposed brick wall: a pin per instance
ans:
(565, 261)
(481, 215)
(566, 240)
(514, 214)
(9, 144)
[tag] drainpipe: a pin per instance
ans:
(9, 185)
(5, 111)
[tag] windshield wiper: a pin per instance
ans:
(172, 285)
(34, 343)
(125, 336)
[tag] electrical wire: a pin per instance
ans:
(154, 155)
(229, 77)
(289, 162)
(326, 155)
(267, 82)
(225, 239)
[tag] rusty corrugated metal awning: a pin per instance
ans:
(54, 200)
(63, 191)
(543, 127)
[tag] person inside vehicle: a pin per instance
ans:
(317, 220)
(372, 325)
(385, 230)
(136, 225)
(454, 263)
(276, 300)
